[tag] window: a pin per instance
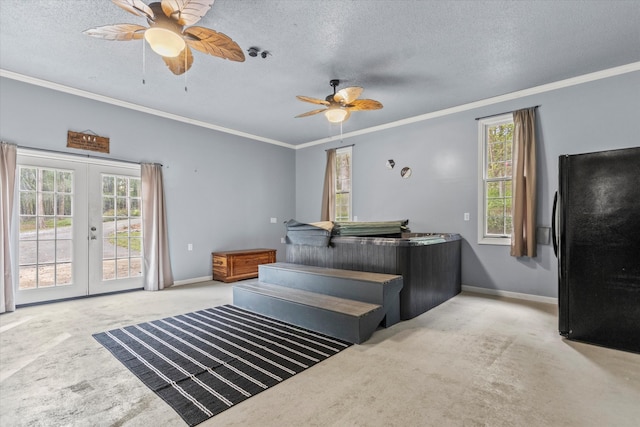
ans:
(343, 184)
(494, 193)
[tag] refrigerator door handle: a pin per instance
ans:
(553, 224)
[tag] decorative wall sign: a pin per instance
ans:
(405, 172)
(87, 141)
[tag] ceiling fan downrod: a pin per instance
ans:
(333, 83)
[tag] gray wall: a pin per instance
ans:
(443, 154)
(221, 189)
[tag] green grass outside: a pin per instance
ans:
(30, 225)
(122, 239)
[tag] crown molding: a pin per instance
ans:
(598, 75)
(117, 102)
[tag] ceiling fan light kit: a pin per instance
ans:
(336, 115)
(164, 42)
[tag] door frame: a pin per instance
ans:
(75, 162)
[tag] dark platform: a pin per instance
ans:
(349, 305)
(428, 262)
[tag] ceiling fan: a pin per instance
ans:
(166, 33)
(340, 104)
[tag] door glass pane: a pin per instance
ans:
(63, 227)
(45, 239)
(46, 275)
(46, 227)
(28, 276)
(45, 204)
(47, 179)
(135, 207)
(64, 182)
(121, 186)
(63, 273)
(108, 185)
(46, 251)
(63, 251)
(28, 180)
(135, 267)
(27, 203)
(28, 252)
(108, 269)
(121, 227)
(108, 206)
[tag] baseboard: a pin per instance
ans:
(509, 294)
(192, 280)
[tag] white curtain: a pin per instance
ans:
(8, 157)
(157, 263)
(329, 191)
(523, 237)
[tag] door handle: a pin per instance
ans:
(553, 224)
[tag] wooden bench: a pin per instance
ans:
(231, 266)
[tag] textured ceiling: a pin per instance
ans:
(416, 57)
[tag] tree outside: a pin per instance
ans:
(498, 179)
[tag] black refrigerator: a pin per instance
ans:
(596, 237)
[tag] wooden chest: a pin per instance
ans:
(229, 266)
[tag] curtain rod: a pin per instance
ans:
(337, 148)
(89, 156)
(506, 112)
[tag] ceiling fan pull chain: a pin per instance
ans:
(144, 65)
(185, 67)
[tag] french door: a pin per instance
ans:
(80, 230)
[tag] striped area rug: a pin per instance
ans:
(204, 362)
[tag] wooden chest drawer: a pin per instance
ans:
(229, 266)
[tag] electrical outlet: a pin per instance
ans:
(355, 217)
(466, 216)
(190, 247)
(274, 220)
(283, 240)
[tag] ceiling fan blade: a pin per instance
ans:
(364, 104)
(217, 44)
(186, 12)
(177, 64)
(348, 94)
(311, 113)
(312, 100)
(137, 7)
(120, 32)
